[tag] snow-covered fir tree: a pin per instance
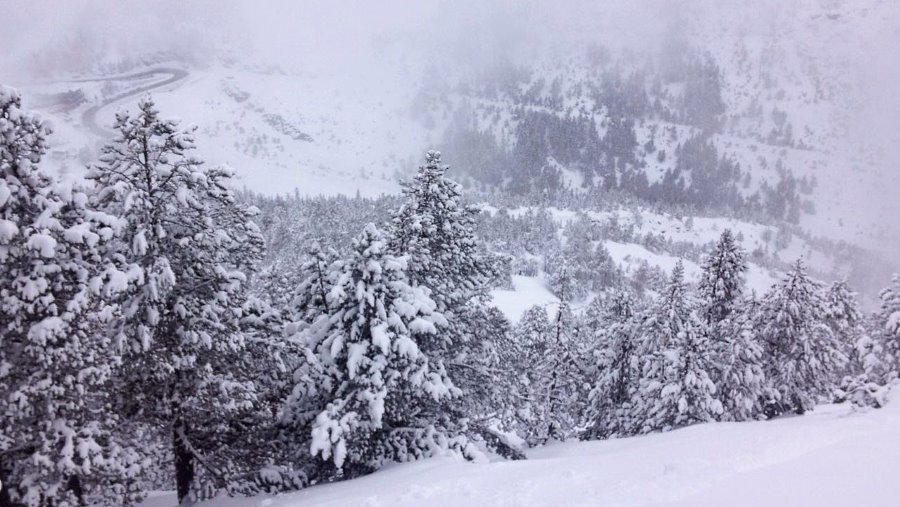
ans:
(311, 295)
(802, 353)
(589, 267)
(610, 411)
(722, 279)
(728, 324)
(738, 358)
(189, 248)
(888, 320)
(845, 320)
(562, 278)
(57, 443)
(435, 230)
(675, 387)
(864, 379)
(562, 368)
(556, 385)
(385, 396)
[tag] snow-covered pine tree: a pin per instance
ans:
(728, 324)
(490, 370)
(385, 395)
(435, 230)
(722, 280)
(862, 380)
(533, 336)
(802, 353)
(563, 385)
(189, 248)
(675, 388)
(888, 320)
(562, 278)
(552, 374)
(310, 297)
(843, 317)
(56, 446)
(872, 366)
(615, 353)
(738, 365)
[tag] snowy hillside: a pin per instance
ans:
(281, 132)
(831, 457)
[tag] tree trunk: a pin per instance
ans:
(74, 485)
(184, 462)
(5, 486)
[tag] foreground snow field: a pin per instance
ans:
(830, 457)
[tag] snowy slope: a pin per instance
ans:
(830, 457)
(282, 132)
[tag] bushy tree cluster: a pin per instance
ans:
(713, 353)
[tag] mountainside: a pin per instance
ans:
(719, 113)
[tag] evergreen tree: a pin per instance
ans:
(533, 336)
(888, 320)
(189, 248)
(385, 396)
(728, 324)
(722, 281)
(562, 280)
(843, 317)
(802, 352)
(675, 388)
(56, 444)
(738, 373)
(555, 374)
(435, 230)
(616, 357)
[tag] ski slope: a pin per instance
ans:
(834, 456)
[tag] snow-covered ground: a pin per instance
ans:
(833, 456)
(527, 292)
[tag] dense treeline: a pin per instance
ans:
(150, 339)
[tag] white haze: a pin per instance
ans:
(380, 45)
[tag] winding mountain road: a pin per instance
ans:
(89, 117)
